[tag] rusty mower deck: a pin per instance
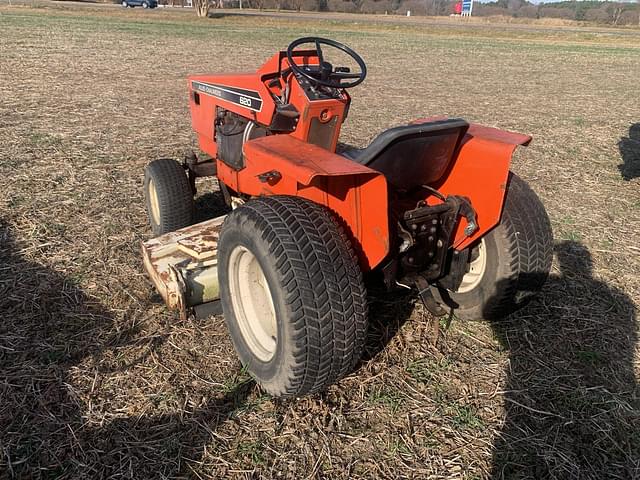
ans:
(183, 266)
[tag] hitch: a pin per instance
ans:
(435, 304)
(429, 232)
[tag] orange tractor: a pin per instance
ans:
(430, 205)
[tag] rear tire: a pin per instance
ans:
(168, 196)
(511, 263)
(292, 293)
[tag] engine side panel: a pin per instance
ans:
(244, 94)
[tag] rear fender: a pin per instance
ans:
(283, 165)
(480, 172)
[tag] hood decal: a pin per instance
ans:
(239, 96)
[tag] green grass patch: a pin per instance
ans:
(590, 357)
(388, 398)
(424, 370)
(252, 450)
(464, 416)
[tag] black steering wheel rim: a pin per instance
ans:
(338, 83)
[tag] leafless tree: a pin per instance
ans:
(202, 7)
(614, 11)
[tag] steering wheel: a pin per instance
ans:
(326, 74)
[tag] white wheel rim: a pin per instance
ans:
(252, 303)
(153, 201)
(476, 271)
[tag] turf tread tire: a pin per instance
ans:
(522, 249)
(175, 197)
(317, 279)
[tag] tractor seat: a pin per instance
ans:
(412, 155)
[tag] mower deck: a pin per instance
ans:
(184, 268)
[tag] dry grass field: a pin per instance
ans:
(98, 380)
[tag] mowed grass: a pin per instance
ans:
(98, 380)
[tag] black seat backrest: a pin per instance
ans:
(414, 155)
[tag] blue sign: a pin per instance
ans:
(467, 7)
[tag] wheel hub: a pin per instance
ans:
(252, 303)
(153, 200)
(477, 267)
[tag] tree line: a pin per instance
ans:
(603, 12)
(612, 13)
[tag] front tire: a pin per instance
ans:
(292, 293)
(511, 263)
(168, 196)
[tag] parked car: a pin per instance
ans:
(140, 3)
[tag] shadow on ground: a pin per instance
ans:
(209, 205)
(571, 399)
(49, 327)
(630, 153)
(163, 446)
(388, 312)
(219, 15)
(572, 408)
